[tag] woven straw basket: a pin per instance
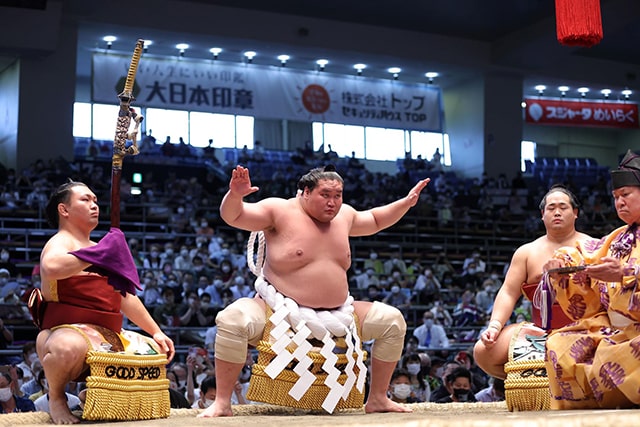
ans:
(527, 386)
(126, 387)
(276, 391)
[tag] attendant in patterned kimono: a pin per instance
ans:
(594, 362)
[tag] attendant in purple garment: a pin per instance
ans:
(86, 289)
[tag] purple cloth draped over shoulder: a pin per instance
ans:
(111, 257)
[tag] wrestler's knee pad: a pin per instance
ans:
(385, 325)
(240, 324)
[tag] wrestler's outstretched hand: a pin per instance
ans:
(166, 344)
(414, 194)
(240, 183)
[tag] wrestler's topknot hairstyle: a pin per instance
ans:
(575, 204)
(61, 194)
(311, 178)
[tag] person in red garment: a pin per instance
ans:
(86, 288)
(559, 210)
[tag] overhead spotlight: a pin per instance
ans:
(583, 91)
(283, 60)
(146, 45)
(109, 40)
(626, 93)
(359, 68)
(249, 55)
(563, 90)
(605, 93)
(182, 47)
(431, 75)
(395, 71)
(215, 51)
(540, 89)
(322, 63)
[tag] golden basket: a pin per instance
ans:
(126, 387)
(527, 386)
(276, 391)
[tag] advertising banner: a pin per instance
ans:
(270, 92)
(582, 113)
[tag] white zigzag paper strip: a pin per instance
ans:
(351, 376)
(306, 378)
(329, 366)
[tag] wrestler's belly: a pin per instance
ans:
(325, 287)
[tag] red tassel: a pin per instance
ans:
(578, 22)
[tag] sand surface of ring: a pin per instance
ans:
(424, 414)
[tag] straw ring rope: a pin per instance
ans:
(305, 322)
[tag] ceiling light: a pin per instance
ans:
(563, 90)
(395, 71)
(283, 60)
(322, 63)
(540, 89)
(583, 91)
(359, 68)
(606, 92)
(182, 47)
(109, 40)
(249, 55)
(215, 51)
(431, 75)
(627, 93)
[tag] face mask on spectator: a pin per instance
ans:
(462, 394)
(413, 368)
(401, 391)
(5, 394)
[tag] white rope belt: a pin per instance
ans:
(305, 322)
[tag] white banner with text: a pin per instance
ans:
(270, 92)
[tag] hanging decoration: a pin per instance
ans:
(578, 22)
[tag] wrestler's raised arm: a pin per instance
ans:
(240, 214)
(373, 220)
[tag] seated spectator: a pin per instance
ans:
(430, 334)
(206, 393)
(458, 384)
(41, 403)
(466, 313)
(176, 399)
(398, 299)
(7, 264)
(427, 287)
(10, 402)
(442, 391)
(493, 393)
(29, 358)
(420, 390)
(400, 387)
(6, 339)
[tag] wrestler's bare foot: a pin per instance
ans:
(384, 405)
(217, 409)
(60, 413)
